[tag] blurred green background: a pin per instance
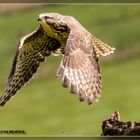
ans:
(44, 107)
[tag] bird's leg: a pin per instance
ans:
(56, 52)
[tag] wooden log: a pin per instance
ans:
(113, 126)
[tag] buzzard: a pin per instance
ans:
(79, 69)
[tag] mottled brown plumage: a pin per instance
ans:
(79, 70)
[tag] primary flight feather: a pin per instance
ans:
(78, 71)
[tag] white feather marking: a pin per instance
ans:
(24, 37)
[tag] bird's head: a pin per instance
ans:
(54, 24)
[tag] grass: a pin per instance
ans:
(44, 107)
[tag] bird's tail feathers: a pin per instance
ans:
(101, 48)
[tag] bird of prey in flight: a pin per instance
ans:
(79, 69)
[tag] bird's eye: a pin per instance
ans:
(47, 17)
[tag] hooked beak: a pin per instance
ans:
(39, 19)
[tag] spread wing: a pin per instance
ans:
(79, 70)
(30, 52)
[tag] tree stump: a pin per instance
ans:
(112, 126)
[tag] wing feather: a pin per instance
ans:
(29, 53)
(79, 70)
